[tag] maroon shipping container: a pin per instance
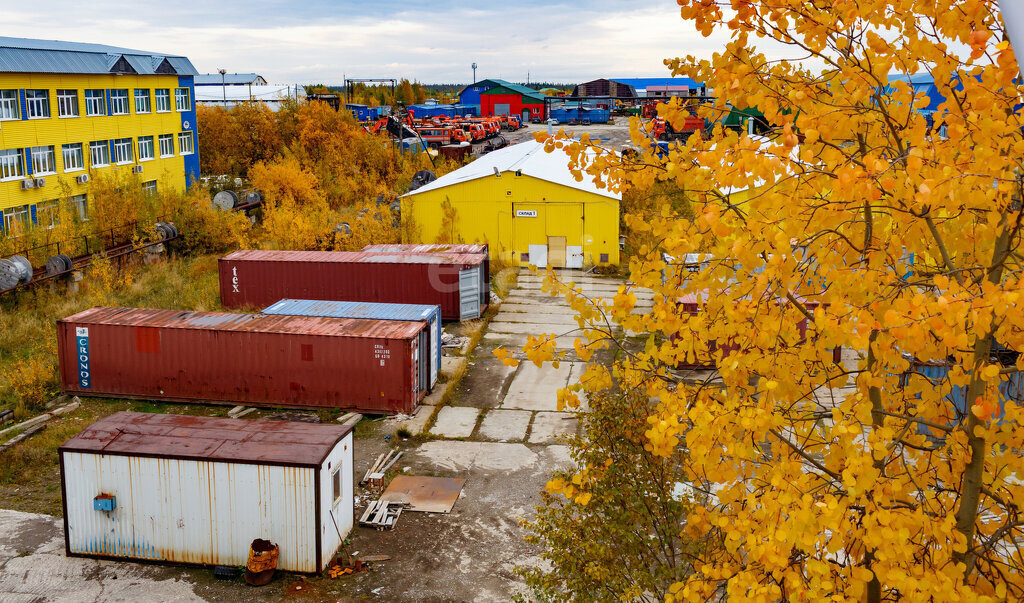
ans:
(256, 279)
(373, 366)
(470, 248)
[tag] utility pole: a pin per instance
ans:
(474, 74)
(223, 86)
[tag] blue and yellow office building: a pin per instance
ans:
(70, 112)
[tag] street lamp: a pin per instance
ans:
(223, 85)
(474, 73)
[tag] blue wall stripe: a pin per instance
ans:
(24, 105)
(28, 160)
(109, 108)
(188, 124)
(33, 210)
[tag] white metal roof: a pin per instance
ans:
(528, 158)
(270, 92)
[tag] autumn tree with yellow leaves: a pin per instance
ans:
(859, 222)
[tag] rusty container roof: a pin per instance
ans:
(187, 437)
(354, 257)
(462, 248)
(253, 323)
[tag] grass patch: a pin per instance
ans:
(505, 281)
(28, 320)
(30, 473)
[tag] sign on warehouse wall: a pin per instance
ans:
(526, 213)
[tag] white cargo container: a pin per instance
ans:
(198, 490)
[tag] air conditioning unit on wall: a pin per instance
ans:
(82, 179)
(28, 184)
(136, 169)
(40, 182)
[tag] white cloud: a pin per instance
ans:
(435, 43)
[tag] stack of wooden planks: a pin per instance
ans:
(382, 514)
(380, 467)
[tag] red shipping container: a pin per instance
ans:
(256, 360)
(256, 279)
(462, 248)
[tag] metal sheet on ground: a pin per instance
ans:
(425, 494)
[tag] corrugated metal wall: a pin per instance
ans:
(190, 511)
(370, 310)
(256, 279)
(327, 364)
(337, 517)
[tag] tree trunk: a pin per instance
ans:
(970, 491)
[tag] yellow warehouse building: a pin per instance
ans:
(70, 111)
(526, 205)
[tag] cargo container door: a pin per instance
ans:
(485, 287)
(469, 293)
(424, 362)
(434, 326)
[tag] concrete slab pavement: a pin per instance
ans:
(33, 568)
(548, 427)
(455, 421)
(505, 425)
(536, 388)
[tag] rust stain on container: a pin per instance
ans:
(257, 278)
(292, 361)
(463, 248)
(199, 489)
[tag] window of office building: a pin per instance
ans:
(18, 218)
(37, 103)
(73, 158)
(99, 153)
(47, 214)
(43, 161)
(9, 106)
(123, 151)
(11, 164)
(142, 100)
(163, 100)
(145, 148)
(95, 103)
(80, 204)
(185, 143)
(182, 102)
(67, 103)
(167, 145)
(119, 102)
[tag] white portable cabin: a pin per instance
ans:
(199, 490)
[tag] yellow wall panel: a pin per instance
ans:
(485, 209)
(56, 131)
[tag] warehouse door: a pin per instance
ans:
(556, 252)
(469, 293)
(564, 229)
(526, 116)
(502, 108)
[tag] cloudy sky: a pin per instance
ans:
(434, 41)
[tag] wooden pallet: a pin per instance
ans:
(382, 514)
